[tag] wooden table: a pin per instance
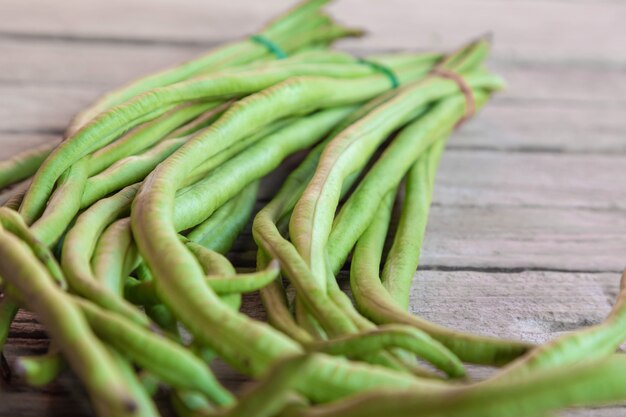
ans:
(527, 233)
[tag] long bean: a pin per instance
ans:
(63, 205)
(195, 204)
(403, 256)
(13, 223)
(220, 230)
(596, 383)
(394, 336)
(311, 221)
(102, 130)
(143, 293)
(110, 254)
(24, 164)
(39, 370)
(233, 54)
(78, 248)
(168, 360)
(67, 327)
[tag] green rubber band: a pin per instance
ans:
(386, 71)
(271, 46)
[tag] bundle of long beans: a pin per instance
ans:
(117, 241)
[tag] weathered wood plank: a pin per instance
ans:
(525, 237)
(531, 305)
(586, 30)
(41, 108)
(103, 65)
(545, 127)
(524, 179)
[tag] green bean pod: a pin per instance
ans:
(147, 135)
(23, 165)
(38, 371)
(110, 254)
(78, 248)
(403, 256)
(104, 129)
(168, 360)
(596, 383)
(63, 205)
(143, 293)
(311, 222)
(145, 405)
(221, 229)
(13, 222)
(394, 336)
(237, 53)
(65, 324)
(196, 203)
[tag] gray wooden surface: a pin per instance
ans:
(528, 229)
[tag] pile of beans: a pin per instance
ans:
(116, 239)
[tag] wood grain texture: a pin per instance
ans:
(549, 30)
(527, 232)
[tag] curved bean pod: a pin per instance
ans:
(221, 229)
(145, 405)
(276, 305)
(78, 248)
(388, 171)
(592, 384)
(102, 130)
(13, 222)
(171, 362)
(194, 204)
(403, 256)
(373, 300)
(313, 215)
(147, 135)
(394, 336)
(109, 256)
(66, 325)
(23, 165)
(143, 293)
(63, 205)
(38, 371)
